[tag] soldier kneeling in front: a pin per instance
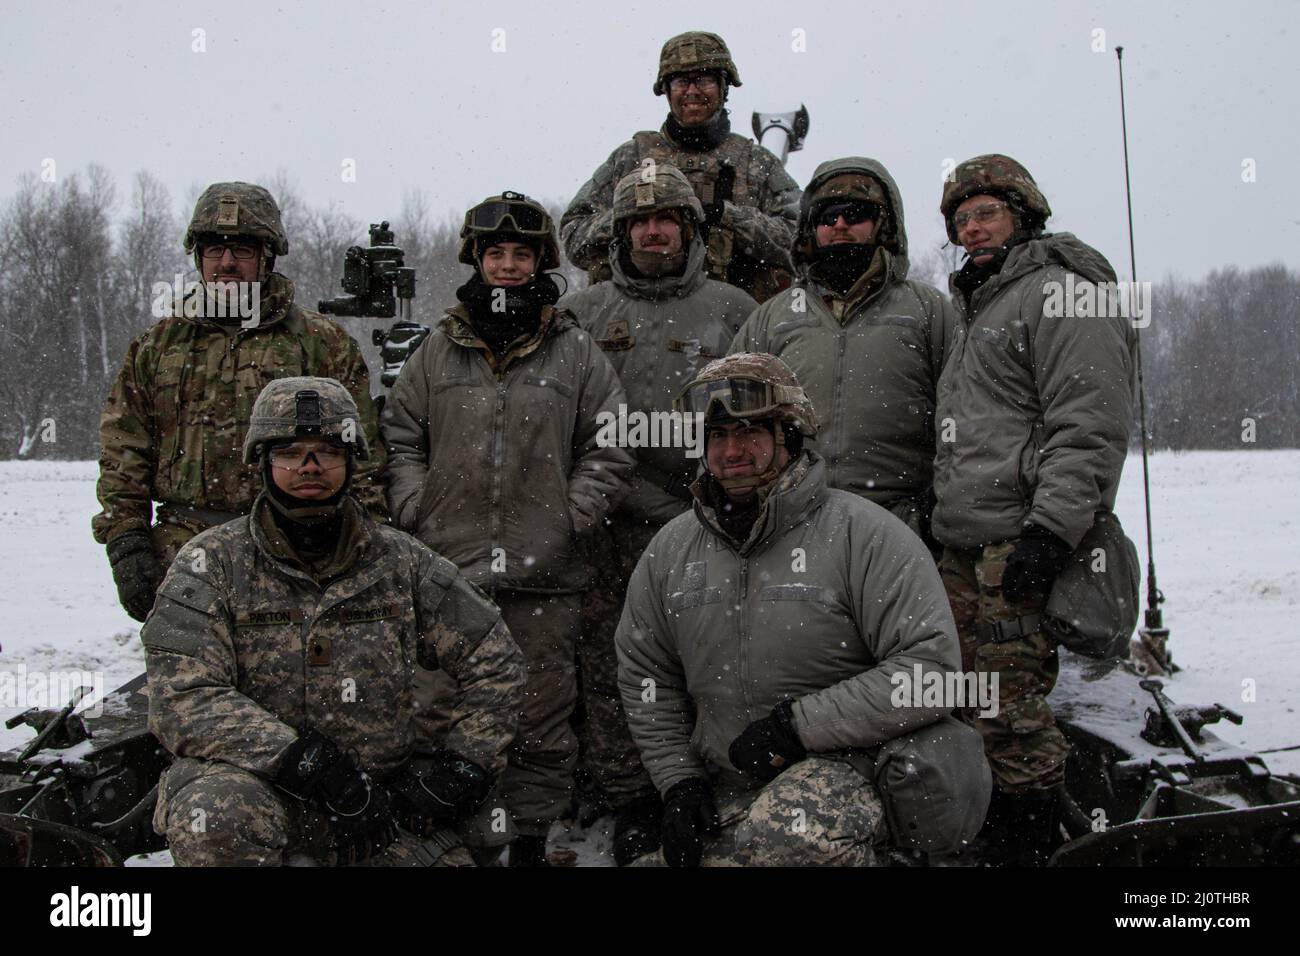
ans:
(281, 656)
(763, 646)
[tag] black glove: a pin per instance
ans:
(314, 769)
(435, 790)
(135, 572)
(768, 746)
(689, 817)
(1038, 557)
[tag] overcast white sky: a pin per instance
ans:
(416, 95)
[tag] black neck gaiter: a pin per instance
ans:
(522, 313)
(839, 266)
(312, 527)
(702, 138)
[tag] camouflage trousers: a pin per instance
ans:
(215, 814)
(820, 812)
(538, 778)
(607, 751)
(1025, 749)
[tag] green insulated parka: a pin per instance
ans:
(1037, 408)
(828, 598)
(497, 462)
(870, 363)
(658, 333)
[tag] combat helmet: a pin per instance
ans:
(995, 174)
(237, 209)
(694, 52)
(753, 386)
(655, 187)
(304, 406)
(510, 217)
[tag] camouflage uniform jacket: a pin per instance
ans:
(497, 462)
(829, 597)
(757, 222)
(244, 648)
(173, 426)
(1041, 407)
(659, 333)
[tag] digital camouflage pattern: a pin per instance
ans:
(1025, 748)
(275, 416)
(819, 812)
(870, 359)
(991, 173)
(748, 248)
(173, 426)
(693, 52)
(246, 645)
(827, 598)
(237, 209)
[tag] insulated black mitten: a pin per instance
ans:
(1038, 557)
(135, 572)
(435, 790)
(768, 746)
(689, 817)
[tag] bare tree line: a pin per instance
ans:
(78, 262)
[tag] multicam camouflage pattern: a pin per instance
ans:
(237, 209)
(1026, 750)
(214, 814)
(820, 812)
(275, 415)
(654, 188)
(991, 173)
(244, 648)
(550, 248)
(749, 247)
(173, 427)
(767, 368)
(844, 180)
(692, 52)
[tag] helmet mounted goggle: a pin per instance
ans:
(741, 398)
(523, 216)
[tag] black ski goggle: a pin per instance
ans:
(524, 217)
(736, 398)
(853, 213)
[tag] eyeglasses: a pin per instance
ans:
(240, 250)
(852, 212)
(524, 216)
(737, 398)
(704, 82)
(292, 456)
(983, 215)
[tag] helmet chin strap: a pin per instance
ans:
(762, 483)
(301, 510)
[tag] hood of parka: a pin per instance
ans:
(805, 241)
(660, 287)
(275, 294)
(798, 491)
(1058, 248)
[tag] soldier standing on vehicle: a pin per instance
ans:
(497, 463)
(1033, 419)
(867, 343)
(173, 423)
(749, 200)
(760, 645)
(659, 321)
(281, 656)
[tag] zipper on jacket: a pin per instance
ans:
(833, 460)
(498, 456)
(742, 606)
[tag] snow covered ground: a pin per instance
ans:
(1227, 530)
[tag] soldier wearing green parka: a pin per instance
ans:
(867, 342)
(173, 424)
(659, 320)
(1033, 419)
(282, 655)
(749, 200)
